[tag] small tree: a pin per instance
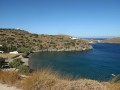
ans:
(23, 69)
(25, 54)
(15, 63)
(23, 49)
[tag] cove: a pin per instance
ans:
(97, 64)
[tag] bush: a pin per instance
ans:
(23, 69)
(23, 49)
(15, 63)
(25, 54)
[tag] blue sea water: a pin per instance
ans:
(97, 64)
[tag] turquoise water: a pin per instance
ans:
(97, 64)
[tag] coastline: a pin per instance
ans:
(63, 50)
(86, 81)
(91, 57)
(25, 61)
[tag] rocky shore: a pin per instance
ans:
(70, 49)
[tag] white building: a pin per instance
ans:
(73, 38)
(1, 51)
(14, 52)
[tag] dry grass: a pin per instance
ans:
(9, 77)
(43, 80)
(113, 86)
(48, 80)
(82, 84)
(7, 55)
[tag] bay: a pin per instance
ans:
(97, 64)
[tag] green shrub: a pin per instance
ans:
(25, 54)
(23, 49)
(15, 63)
(23, 69)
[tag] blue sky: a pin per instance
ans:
(84, 18)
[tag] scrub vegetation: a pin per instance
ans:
(23, 41)
(18, 64)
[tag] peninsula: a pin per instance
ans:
(13, 39)
(112, 40)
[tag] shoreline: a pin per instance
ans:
(26, 62)
(64, 50)
(82, 81)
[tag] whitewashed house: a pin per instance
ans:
(74, 38)
(1, 51)
(14, 52)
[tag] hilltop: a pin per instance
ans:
(112, 40)
(11, 39)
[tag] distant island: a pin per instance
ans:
(115, 40)
(13, 39)
(112, 40)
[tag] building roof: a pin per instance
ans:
(1, 51)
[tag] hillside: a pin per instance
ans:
(11, 39)
(112, 40)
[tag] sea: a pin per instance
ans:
(96, 64)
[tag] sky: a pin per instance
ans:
(83, 18)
